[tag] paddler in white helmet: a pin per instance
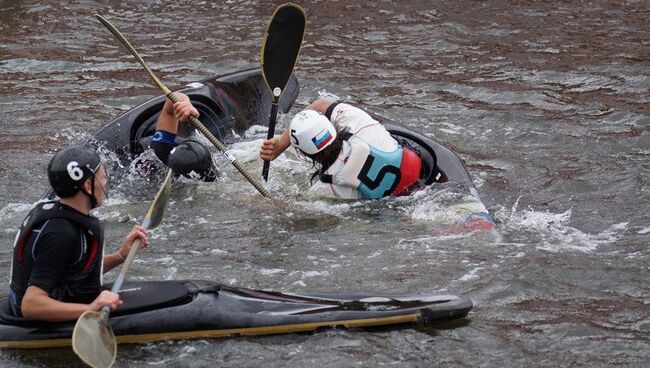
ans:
(355, 156)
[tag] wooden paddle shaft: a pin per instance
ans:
(233, 160)
(194, 121)
(127, 263)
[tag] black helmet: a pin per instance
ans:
(193, 160)
(70, 167)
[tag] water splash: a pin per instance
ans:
(553, 232)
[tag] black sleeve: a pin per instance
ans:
(330, 109)
(54, 251)
(162, 150)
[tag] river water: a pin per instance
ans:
(548, 104)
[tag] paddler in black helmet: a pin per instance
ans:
(185, 157)
(58, 257)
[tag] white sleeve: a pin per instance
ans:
(325, 190)
(353, 118)
(363, 126)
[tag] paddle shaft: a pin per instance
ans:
(117, 284)
(272, 121)
(233, 160)
(193, 121)
(151, 220)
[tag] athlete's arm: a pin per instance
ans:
(167, 124)
(37, 305)
(272, 148)
(172, 113)
(320, 190)
(115, 259)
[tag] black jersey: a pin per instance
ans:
(60, 251)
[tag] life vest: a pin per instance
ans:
(376, 173)
(82, 286)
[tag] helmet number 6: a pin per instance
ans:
(74, 171)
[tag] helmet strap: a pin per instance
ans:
(91, 195)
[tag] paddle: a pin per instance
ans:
(93, 339)
(193, 121)
(280, 49)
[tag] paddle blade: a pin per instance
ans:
(93, 340)
(157, 209)
(281, 46)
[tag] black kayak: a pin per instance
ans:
(228, 105)
(164, 310)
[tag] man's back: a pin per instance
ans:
(57, 255)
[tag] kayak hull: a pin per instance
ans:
(228, 106)
(210, 310)
(443, 166)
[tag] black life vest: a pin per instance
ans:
(82, 281)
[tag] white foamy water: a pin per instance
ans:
(553, 231)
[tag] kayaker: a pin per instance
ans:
(184, 156)
(58, 256)
(353, 153)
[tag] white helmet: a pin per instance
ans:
(311, 132)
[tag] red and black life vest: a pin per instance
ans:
(82, 279)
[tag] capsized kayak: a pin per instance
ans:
(231, 104)
(228, 105)
(165, 310)
(443, 166)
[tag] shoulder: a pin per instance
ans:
(58, 238)
(321, 105)
(63, 224)
(59, 230)
(347, 116)
(341, 108)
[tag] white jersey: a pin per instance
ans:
(363, 127)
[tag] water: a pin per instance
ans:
(546, 103)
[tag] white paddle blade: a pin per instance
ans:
(93, 340)
(156, 211)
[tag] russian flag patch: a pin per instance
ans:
(322, 138)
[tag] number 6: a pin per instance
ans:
(74, 171)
